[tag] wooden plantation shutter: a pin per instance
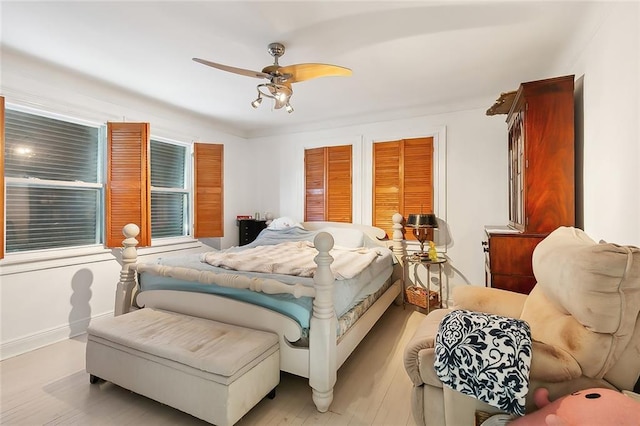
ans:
(387, 183)
(339, 199)
(128, 190)
(402, 180)
(328, 184)
(208, 190)
(314, 178)
(2, 226)
(418, 176)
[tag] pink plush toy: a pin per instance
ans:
(595, 406)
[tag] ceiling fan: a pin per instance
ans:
(281, 77)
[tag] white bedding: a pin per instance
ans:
(191, 273)
(293, 258)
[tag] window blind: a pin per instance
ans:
(53, 183)
(167, 165)
(168, 214)
(169, 196)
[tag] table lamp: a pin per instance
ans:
(421, 223)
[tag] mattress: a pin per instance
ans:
(347, 293)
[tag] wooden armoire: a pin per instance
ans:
(541, 146)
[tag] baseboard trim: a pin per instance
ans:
(38, 340)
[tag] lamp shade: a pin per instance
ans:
(428, 220)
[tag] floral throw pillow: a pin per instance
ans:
(485, 356)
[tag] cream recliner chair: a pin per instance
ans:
(584, 320)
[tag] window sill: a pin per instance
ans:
(33, 261)
(47, 259)
(168, 245)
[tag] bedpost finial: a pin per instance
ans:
(323, 242)
(397, 218)
(130, 230)
(398, 245)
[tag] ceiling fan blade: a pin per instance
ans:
(302, 72)
(241, 71)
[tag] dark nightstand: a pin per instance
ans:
(249, 230)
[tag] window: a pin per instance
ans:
(53, 180)
(53, 192)
(328, 192)
(129, 196)
(169, 191)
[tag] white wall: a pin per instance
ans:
(608, 66)
(607, 70)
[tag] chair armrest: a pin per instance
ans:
(489, 300)
(552, 364)
(423, 340)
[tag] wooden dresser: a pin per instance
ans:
(541, 180)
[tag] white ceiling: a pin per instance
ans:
(407, 57)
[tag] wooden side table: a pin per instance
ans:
(418, 294)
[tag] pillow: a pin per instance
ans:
(283, 223)
(346, 237)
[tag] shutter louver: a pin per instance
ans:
(128, 182)
(208, 190)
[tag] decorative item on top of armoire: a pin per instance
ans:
(541, 157)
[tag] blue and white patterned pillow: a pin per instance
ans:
(485, 356)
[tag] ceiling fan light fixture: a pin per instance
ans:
(282, 97)
(280, 93)
(257, 102)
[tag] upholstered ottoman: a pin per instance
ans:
(214, 371)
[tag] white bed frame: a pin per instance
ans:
(320, 361)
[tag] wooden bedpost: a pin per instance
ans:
(322, 341)
(127, 276)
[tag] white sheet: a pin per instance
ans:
(293, 258)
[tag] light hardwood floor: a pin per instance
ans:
(49, 386)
